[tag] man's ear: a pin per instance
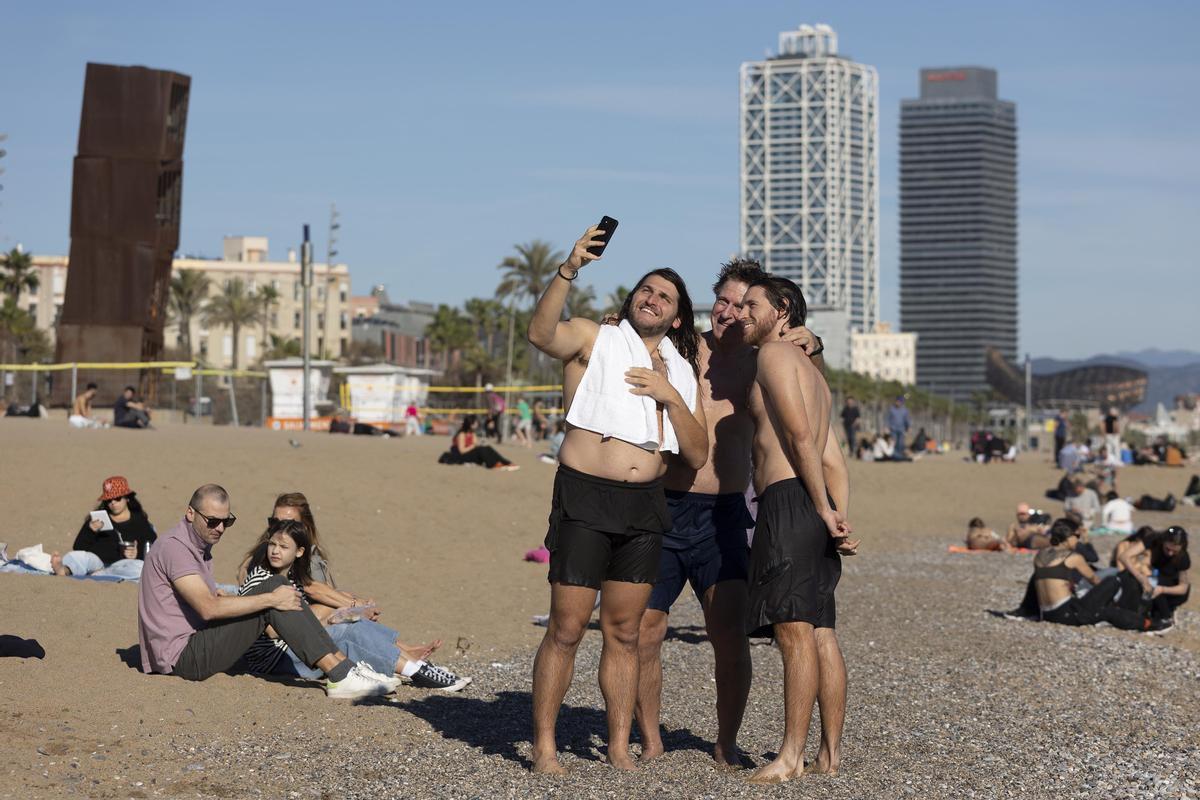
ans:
(676, 323)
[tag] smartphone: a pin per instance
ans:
(607, 226)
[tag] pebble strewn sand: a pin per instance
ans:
(945, 700)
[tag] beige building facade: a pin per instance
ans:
(884, 354)
(247, 258)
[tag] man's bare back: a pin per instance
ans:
(771, 461)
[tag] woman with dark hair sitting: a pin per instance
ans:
(114, 547)
(1167, 581)
(1055, 571)
(467, 450)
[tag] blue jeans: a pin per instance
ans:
(898, 443)
(82, 562)
(365, 641)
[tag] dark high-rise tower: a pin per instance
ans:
(958, 227)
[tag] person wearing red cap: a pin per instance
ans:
(113, 548)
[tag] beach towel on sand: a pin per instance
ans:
(958, 548)
(603, 403)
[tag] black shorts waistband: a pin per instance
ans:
(632, 486)
(703, 498)
(792, 487)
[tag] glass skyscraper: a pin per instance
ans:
(958, 227)
(810, 178)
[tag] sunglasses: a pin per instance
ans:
(215, 522)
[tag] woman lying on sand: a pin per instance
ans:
(981, 537)
(287, 550)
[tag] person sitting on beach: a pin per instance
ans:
(114, 547)
(186, 627)
(1070, 458)
(467, 450)
(560, 433)
(883, 449)
(81, 409)
(1024, 532)
(1055, 572)
(981, 537)
(129, 413)
(1117, 514)
(1170, 560)
(287, 551)
(1085, 502)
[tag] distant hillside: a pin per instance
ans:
(1170, 372)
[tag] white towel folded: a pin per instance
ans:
(603, 403)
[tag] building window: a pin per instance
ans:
(296, 291)
(343, 292)
(59, 284)
(296, 321)
(321, 320)
(345, 320)
(57, 312)
(274, 319)
(345, 347)
(252, 286)
(204, 347)
(320, 292)
(33, 311)
(251, 348)
(275, 284)
(227, 345)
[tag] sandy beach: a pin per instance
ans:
(945, 700)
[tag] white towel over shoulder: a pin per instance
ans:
(603, 403)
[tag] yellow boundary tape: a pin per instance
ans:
(165, 366)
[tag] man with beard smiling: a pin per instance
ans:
(706, 545)
(631, 397)
(800, 531)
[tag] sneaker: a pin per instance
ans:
(361, 682)
(431, 676)
(1158, 627)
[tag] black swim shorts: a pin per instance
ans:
(604, 530)
(706, 545)
(794, 563)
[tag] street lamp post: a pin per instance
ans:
(306, 347)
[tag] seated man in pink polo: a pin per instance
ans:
(187, 628)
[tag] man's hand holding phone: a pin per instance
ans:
(589, 247)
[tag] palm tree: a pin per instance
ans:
(189, 287)
(267, 297)
(582, 303)
(18, 273)
(233, 307)
(448, 331)
(284, 347)
(527, 274)
(616, 299)
(487, 319)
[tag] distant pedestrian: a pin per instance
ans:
(1060, 434)
(898, 422)
(850, 418)
(1112, 435)
(412, 420)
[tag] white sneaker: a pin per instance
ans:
(361, 682)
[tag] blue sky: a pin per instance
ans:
(447, 133)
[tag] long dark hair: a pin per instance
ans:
(301, 569)
(1174, 535)
(684, 337)
(784, 295)
(1062, 529)
(1144, 534)
(298, 501)
(468, 421)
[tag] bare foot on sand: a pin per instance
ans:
(619, 759)
(777, 771)
(651, 750)
(56, 565)
(826, 764)
(730, 757)
(547, 765)
(418, 652)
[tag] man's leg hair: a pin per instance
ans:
(798, 645)
(554, 667)
(621, 607)
(724, 618)
(831, 700)
(649, 697)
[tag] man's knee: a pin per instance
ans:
(622, 632)
(565, 634)
(652, 632)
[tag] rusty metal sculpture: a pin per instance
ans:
(125, 215)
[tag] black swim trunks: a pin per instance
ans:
(605, 530)
(706, 545)
(794, 563)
